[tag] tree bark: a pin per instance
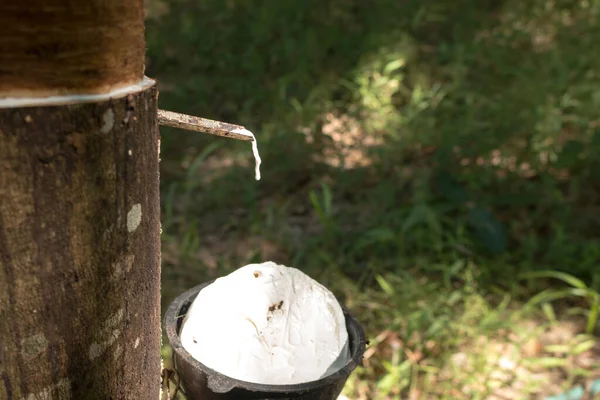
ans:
(50, 47)
(79, 203)
(79, 250)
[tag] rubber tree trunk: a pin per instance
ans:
(79, 203)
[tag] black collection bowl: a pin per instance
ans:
(203, 383)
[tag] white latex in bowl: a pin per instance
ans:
(267, 323)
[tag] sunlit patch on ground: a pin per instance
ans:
(345, 143)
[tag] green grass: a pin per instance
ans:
(435, 163)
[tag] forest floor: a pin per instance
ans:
(436, 164)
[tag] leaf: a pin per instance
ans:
(200, 158)
(169, 204)
(432, 220)
(570, 154)
(551, 295)
(422, 214)
(595, 142)
(454, 298)
(375, 236)
(583, 347)
(548, 362)
(386, 383)
(567, 278)
(394, 65)
(488, 230)
(385, 286)
(451, 189)
(327, 199)
(549, 312)
(592, 317)
(317, 205)
(557, 348)
(414, 218)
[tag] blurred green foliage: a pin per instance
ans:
(477, 125)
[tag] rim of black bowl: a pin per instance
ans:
(173, 313)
